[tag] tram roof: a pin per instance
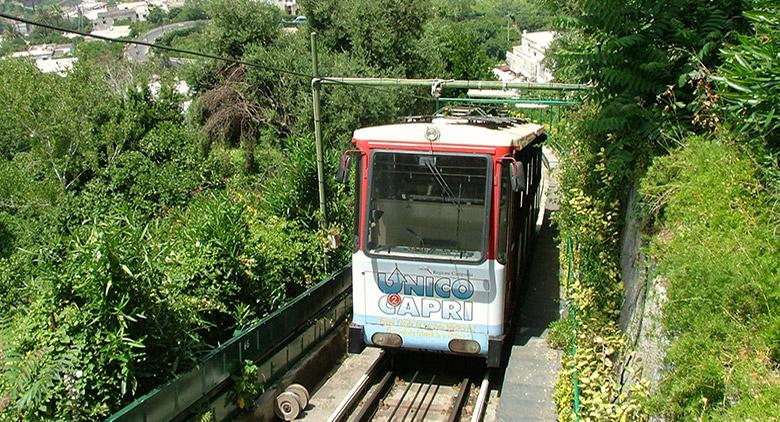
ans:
(454, 131)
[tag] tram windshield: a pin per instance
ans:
(428, 206)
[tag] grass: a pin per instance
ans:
(717, 245)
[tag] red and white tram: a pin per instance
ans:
(447, 209)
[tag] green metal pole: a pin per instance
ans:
(520, 101)
(454, 84)
(315, 93)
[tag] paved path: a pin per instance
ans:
(529, 380)
(327, 396)
(140, 53)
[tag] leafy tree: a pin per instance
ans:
(98, 51)
(750, 76)
(238, 24)
(39, 114)
(193, 10)
(524, 14)
(157, 16)
(640, 57)
(457, 46)
(11, 44)
(386, 34)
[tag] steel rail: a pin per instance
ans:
(479, 406)
(460, 400)
(403, 396)
(422, 399)
(367, 411)
(342, 410)
(430, 402)
(415, 405)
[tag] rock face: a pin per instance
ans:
(644, 296)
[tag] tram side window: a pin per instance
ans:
(358, 194)
(504, 211)
(427, 205)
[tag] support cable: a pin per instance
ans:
(202, 55)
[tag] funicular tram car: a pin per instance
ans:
(446, 214)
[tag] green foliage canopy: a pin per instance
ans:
(750, 76)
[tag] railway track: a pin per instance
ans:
(417, 387)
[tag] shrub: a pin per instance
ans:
(750, 75)
(718, 248)
(289, 194)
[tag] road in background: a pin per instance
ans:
(140, 53)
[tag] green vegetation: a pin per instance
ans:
(134, 238)
(122, 22)
(688, 87)
(717, 247)
(193, 10)
(187, 39)
(98, 51)
(126, 255)
(11, 44)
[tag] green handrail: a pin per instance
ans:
(573, 316)
(256, 343)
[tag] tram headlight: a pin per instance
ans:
(387, 340)
(469, 347)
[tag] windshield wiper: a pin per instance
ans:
(442, 182)
(420, 238)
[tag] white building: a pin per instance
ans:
(525, 60)
(88, 9)
(50, 58)
(105, 19)
(288, 6)
(113, 32)
(45, 51)
(170, 4)
(21, 28)
(104, 15)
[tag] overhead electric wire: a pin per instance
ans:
(198, 54)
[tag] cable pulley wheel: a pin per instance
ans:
(301, 392)
(287, 406)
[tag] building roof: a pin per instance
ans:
(542, 39)
(114, 32)
(58, 66)
(453, 131)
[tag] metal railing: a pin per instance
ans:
(546, 109)
(274, 343)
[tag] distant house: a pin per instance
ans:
(46, 51)
(141, 8)
(106, 19)
(21, 28)
(89, 10)
(172, 3)
(50, 58)
(525, 60)
(114, 32)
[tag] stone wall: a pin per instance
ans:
(644, 295)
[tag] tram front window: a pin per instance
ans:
(428, 206)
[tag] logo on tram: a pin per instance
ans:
(425, 296)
